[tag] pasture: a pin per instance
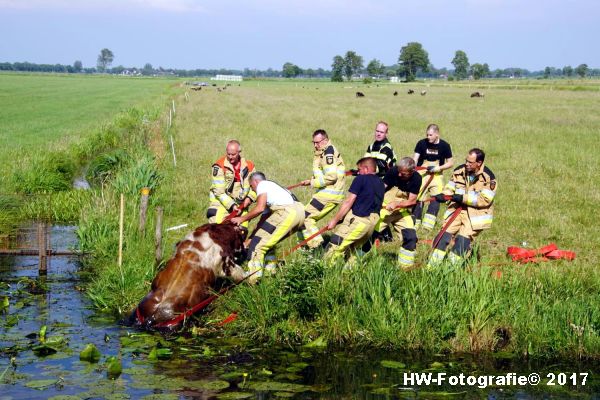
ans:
(538, 143)
(42, 113)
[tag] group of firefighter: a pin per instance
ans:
(386, 195)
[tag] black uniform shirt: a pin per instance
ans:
(369, 191)
(433, 152)
(411, 185)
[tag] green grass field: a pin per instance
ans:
(44, 112)
(538, 143)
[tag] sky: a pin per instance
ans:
(261, 34)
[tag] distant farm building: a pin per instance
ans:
(394, 79)
(235, 78)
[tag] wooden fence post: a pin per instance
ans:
(121, 220)
(158, 236)
(42, 248)
(144, 208)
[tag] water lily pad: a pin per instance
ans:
(207, 385)
(162, 354)
(41, 384)
(318, 342)
(232, 376)
(284, 394)
(393, 364)
(436, 365)
(113, 367)
(43, 350)
(90, 353)
(234, 395)
(289, 376)
(163, 396)
(320, 388)
(278, 387)
(65, 397)
(382, 390)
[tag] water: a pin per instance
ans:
(212, 366)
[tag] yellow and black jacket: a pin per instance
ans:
(224, 190)
(478, 190)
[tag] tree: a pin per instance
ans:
(581, 70)
(461, 65)
(337, 69)
(77, 66)
(147, 70)
(105, 58)
(290, 70)
(547, 72)
(353, 63)
(412, 57)
(479, 71)
(375, 68)
(568, 70)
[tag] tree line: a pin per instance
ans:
(413, 63)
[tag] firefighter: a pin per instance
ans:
(359, 212)
(230, 188)
(402, 184)
(281, 214)
(381, 150)
(434, 154)
(473, 188)
(329, 175)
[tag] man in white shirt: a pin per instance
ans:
(282, 215)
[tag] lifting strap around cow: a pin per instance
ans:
(545, 253)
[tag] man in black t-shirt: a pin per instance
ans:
(402, 186)
(359, 212)
(435, 155)
(381, 149)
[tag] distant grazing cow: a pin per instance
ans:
(208, 253)
(423, 92)
(396, 93)
(477, 94)
(197, 88)
(214, 84)
(360, 94)
(410, 91)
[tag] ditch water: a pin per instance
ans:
(208, 366)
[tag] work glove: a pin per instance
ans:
(354, 172)
(457, 198)
(432, 169)
(440, 197)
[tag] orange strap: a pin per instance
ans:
(549, 252)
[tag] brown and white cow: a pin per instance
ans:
(207, 253)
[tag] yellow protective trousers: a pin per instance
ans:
(283, 221)
(321, 204)
(350, 234)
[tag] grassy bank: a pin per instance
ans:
(523, 312)
(52, 123)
